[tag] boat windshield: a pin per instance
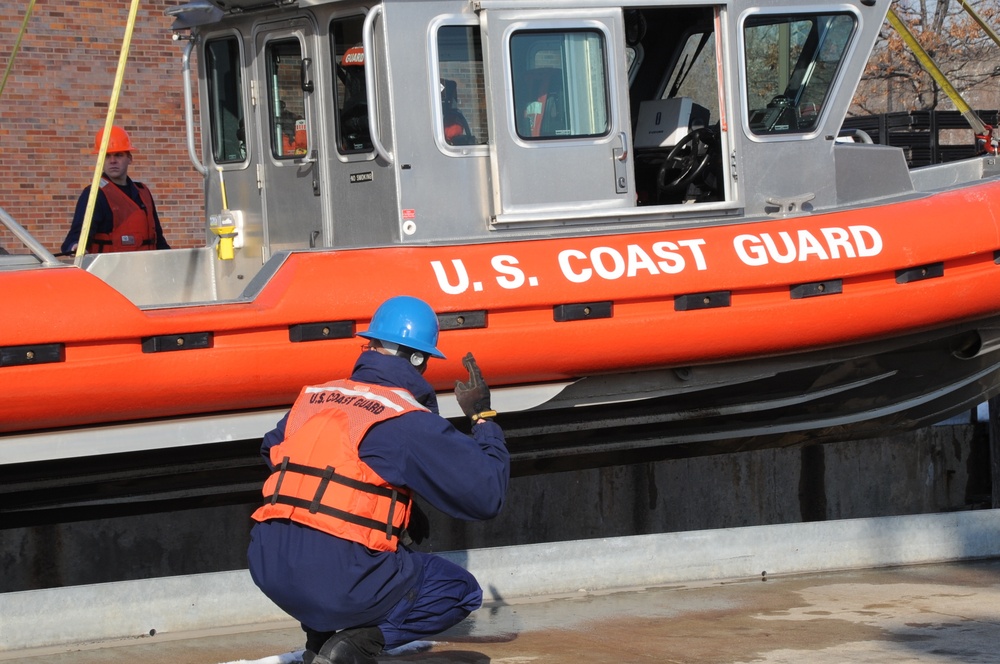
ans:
(791, 67)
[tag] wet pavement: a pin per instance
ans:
(924, 613)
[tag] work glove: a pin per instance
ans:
(474, 395)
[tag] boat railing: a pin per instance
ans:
(926, 137)
(43, 255)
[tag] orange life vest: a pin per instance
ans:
(133, 229)
(319, 479)
(297, 143)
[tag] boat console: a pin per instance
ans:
(675, 152)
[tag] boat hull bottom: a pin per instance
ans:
(841, 394)
(837, 395)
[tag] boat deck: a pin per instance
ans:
(921, 613)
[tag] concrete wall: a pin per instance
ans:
(938, 469)
(85, 616)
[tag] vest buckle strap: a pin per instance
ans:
(320, 490)
(281, 478)
(392, 510)
(371, 524)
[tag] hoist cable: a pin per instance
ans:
(108, 122)
(17, 45)
(981, 21)
(928, 64)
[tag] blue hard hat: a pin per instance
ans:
(406, 321)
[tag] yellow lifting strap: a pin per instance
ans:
(17, 45)
(982, 23)
(927, 63)
(108, 122)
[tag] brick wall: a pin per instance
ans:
(57, 97)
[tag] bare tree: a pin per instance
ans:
(894, 79)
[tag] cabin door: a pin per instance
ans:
(557, 90)
(290, 168)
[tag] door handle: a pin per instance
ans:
(311, 159)
(621, 165)
(624, 153)
(304, 81)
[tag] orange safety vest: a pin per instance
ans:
(320, 481)
(133, 229)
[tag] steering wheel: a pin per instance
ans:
(685, 161)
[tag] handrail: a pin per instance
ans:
(367, 42)
(188, 113)
(102, 152)
(33, 245)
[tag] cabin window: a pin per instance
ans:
(791, 66)
(353, 133)
(560, 84)
(286, 74)
(225, 100)
(463, 91)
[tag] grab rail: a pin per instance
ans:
(367, 41)
(22, 234)
(188, 105)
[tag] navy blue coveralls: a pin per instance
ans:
(329, 584)
(103, 220)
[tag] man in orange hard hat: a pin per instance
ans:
(125, 216)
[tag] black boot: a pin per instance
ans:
(352, 646)
(314, 641)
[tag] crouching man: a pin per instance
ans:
(331, 543)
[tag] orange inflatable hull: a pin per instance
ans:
(548, 309)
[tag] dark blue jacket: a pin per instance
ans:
(328, 583)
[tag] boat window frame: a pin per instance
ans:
(806, 12)
(721, 93)
(434, 81)
(546, 215)
(243, 97)
(276, 150)
(560, 29)
(362, 154)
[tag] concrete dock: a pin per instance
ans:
(923, 588)
(923, 613)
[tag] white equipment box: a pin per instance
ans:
(664, 122)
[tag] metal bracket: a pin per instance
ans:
(787, 205)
